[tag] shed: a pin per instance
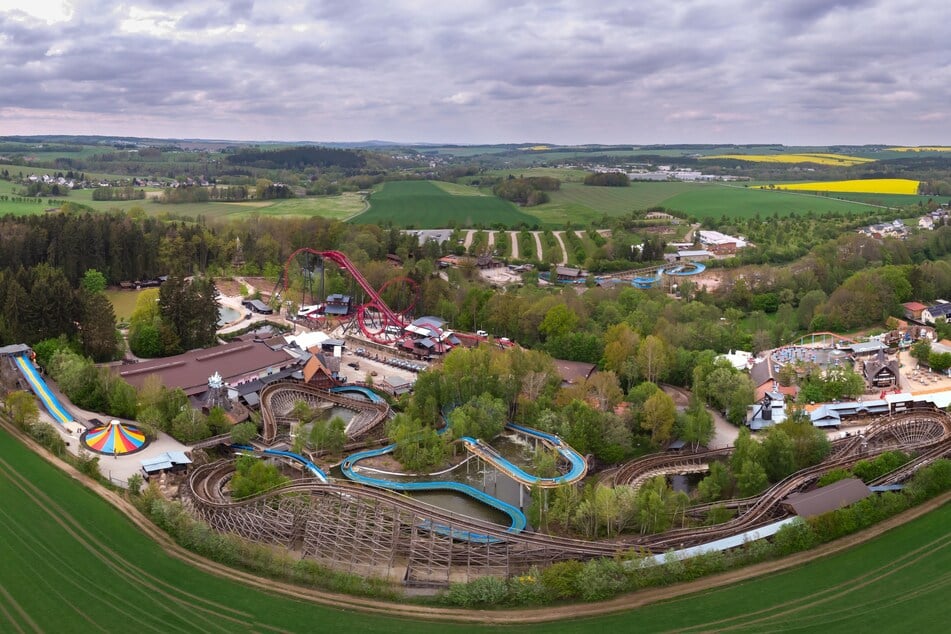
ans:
(827, 498)
(168, 461)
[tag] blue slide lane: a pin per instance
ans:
(39, 387)
(578, 464)
(317, 471)
(518, 520)
(370, 394)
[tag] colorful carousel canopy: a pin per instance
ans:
(116, 438)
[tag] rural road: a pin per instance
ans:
(538, 244)
(491, 239)
(514, 237)
(470, 234)
(564, 251)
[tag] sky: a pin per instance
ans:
(799, 72)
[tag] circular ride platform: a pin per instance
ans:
(115, 439)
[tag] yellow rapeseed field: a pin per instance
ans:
(921, 148)
(866, 186)
(817, 158)
(536, 148)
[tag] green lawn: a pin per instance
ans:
(426, 205)
(71, 562)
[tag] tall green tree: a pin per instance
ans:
(97, 327)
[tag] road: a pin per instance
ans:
(514, 237)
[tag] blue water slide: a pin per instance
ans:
(42, 391)
(358, 389)
(579, 465)
(689, 268)
(310, 466)
(518, 520)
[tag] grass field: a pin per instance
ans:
(73, 563)
(123, 302)
(338, 207)
(582, 204)
(426, 205)
(741, 202)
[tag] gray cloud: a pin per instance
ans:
(568, 71)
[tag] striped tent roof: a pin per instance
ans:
(115, 438)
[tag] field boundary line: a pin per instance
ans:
(621, 603)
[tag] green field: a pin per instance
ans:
(426, 205)
(123, 302)
(582, 204)
(338, 207)
(716, 200)
(71, 562)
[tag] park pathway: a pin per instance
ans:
(538, 245)
(564, 251)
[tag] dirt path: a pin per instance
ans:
(491, 239)
(514, 237)
(470, 234)
(528, 615)
(564, 251)
(538, 244)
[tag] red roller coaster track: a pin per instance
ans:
(374, 316)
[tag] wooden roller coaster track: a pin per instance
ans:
(377, 532)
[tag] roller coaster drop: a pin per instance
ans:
(375, 318)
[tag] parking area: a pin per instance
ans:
(358, 362)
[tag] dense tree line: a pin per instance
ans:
(607, 179)
(118, 193)
(298, 157)
(527, 192)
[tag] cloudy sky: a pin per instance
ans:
(481, 71)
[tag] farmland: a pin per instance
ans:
(424, 205)
(72, 562)
(743, 202)
(581, 204)
(819, 158)
(338, 207)
(902, 186)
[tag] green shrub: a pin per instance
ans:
(794, 537)
(834, 476)
(484, 591)
(600, 579)
(559, 578)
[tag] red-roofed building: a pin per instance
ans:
(913, 310)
